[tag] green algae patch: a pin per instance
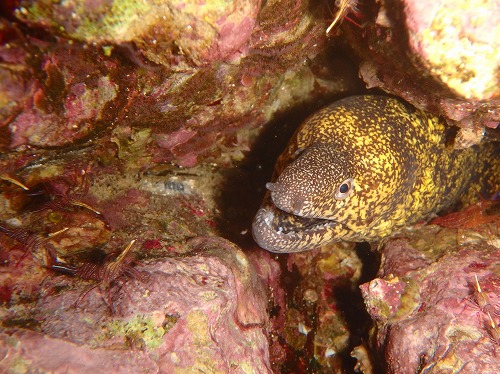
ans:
(410, 299)
(139, 332)
(131, 144)
(197, 322)
(20, 366)
(202, 344)
(117, 20)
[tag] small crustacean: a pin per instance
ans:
(344, 7)
(65, 192)
(489, 311)
(64, 195)
(105, 274)
(8, 178)
(29, 241)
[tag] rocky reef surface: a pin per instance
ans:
(435, 305)
(136, 138)
(441, 56)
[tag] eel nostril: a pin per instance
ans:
(297, 205)
(270, 186)
(273, 187)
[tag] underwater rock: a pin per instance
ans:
(316, 318)
(24, 350)
(68, 97)
(182, 82)
(126, 271)
(152, 101)
(436, 305)
(173, 33)
(204, 312)
(441, 56)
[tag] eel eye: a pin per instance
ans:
(344, 189)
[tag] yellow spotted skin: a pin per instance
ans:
(364, 167)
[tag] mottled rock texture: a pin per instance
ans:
(319, 319)
(190, 81)
(198, 313)
(153, 121)
(436, 301)
(442, 56)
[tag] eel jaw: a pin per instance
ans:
(280, 232)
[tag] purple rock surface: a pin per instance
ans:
(154, 124)
(436, 306)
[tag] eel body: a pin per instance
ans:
(365, 167)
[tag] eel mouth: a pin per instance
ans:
(278, 231)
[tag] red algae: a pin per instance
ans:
(152, 123)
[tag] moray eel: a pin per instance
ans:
(365, 167)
